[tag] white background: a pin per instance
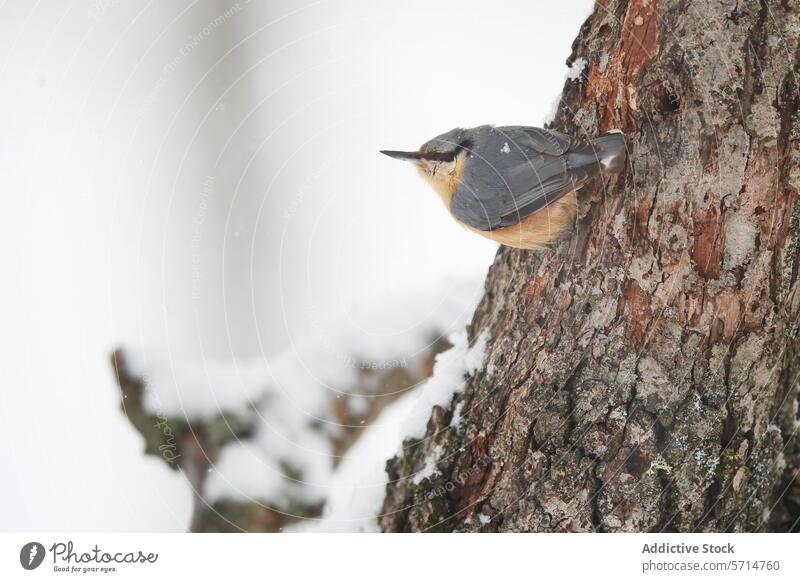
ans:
(202, 190)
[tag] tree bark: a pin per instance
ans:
(642, 373)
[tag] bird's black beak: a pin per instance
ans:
(408, 156)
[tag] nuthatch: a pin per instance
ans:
(515, 185)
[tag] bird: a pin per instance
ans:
(514, 184)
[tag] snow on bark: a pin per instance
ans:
(358, 485)
(259, 439)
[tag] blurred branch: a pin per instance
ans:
(193, 445)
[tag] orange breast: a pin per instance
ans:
(533, 232)
(537, 230)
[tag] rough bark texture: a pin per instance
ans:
(643, 373)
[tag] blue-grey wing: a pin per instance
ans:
(510, 173)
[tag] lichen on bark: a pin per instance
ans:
(643, 372)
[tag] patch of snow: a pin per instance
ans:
(430, 465)
(288, 396)
(456, 419)
(577, 68)
(448, 379)
(484, 519)
(551, 113)
(359, 482)
(358, 485)
(242, 468)
(476, 354)
(505, 149)
(358, 405)
(198, 390)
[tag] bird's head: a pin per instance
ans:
(439, 159)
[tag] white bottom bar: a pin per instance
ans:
(430, 557)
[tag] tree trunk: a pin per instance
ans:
(642, 374)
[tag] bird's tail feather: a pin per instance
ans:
(611, 151)
(587, 159)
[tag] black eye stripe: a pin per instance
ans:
(448, 156)
(440, 157)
